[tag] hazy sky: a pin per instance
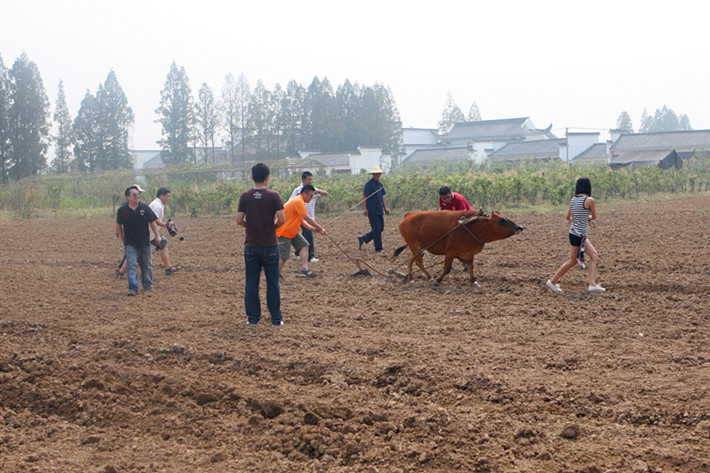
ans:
(566, 63)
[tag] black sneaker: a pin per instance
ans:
(278, 324)
(307, 273)
(359, 243)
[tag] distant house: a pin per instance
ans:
(663, 159)
(439, 155)
(344, 163)
(685, 143)
(146, 159)
(575, 143)
(150, 160)
(482, 138)
(419, 138)
(538, 150)
(598, 153)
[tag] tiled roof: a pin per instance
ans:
(442, 154)
(342, 159)
(484, 130)
(595, 152)
(650, 157)
(534, 148)
(698, 139)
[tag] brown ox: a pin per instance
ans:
(443, 233)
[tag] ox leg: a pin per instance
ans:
(420, 262)
(472, 278)
(448, 262)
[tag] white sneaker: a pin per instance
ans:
(553, 287)
(314, 260)
(597, 288)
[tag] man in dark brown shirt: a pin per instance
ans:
(261, 211)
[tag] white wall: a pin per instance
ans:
(578, 142)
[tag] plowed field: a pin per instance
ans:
(368, 374)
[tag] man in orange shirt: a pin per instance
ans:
(289, 234)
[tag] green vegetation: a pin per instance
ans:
(203, 192)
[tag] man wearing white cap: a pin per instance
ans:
(374, 209)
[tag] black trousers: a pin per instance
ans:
(308, 235)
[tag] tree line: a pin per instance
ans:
(250, 124)
(664, 119)
(267, 125)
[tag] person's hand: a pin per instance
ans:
(387, 211)
(365, 213)
(322, 231)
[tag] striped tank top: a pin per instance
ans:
(580, 216)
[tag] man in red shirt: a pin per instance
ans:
(451, 200)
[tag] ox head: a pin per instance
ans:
(499, 227)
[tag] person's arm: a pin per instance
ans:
(160, 224)
(280, 218)
(384, 207)
(240, 219)
(314, 226)
(154, 227)
(364, 204)
(119, 232)
(569, 214)
(592, 208)
(321, 192)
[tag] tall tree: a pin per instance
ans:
(28, 120)
(65, 138)
(277, 103)
(229, 114)
(348, 98)
(474, 115)
(685, 123)
(115, 121)
(664, 119)
(89, 142)
(259, 121)
(243, 97)
(207, 119)
(292, 110)
(624, 122)
(4, 120)
(391, 122)
(451, 114)
(177, 117)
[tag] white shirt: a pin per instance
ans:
(310, 206)
(158, 208)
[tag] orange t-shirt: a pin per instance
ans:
(294, 210)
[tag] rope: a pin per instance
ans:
(331, 220)
(463, 222)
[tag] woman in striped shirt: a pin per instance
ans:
(581, 211)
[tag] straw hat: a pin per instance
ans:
(376, 170)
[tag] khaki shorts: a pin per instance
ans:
(298, 242)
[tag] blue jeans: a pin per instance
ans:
(139, 257)
(377, 225)
(255, 259)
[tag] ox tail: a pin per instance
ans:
(397, 252)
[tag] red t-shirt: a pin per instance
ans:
(458, 202)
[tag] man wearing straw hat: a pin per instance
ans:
(374, 205)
